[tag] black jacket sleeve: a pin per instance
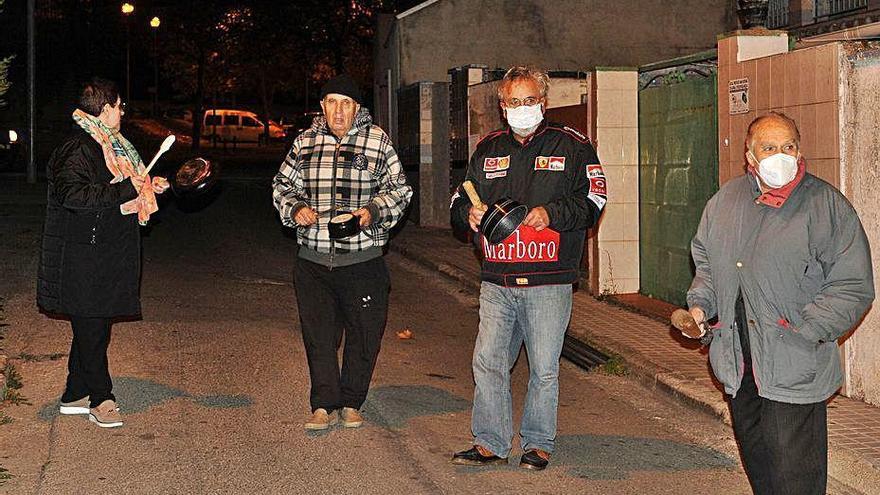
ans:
(76, 180)
(582, 204)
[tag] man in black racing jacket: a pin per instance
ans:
(526, 288)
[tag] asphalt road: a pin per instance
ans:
(213, 384)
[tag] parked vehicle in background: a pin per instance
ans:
(237, 125)
(276, 131)
(183, 114)
(294, 126)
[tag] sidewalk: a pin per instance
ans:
(656, 354)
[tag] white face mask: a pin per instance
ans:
(777, 170)
(524, 120)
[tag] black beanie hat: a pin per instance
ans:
(342, 84)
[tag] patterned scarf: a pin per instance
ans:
(122, 161)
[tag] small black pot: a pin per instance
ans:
(502, 218)
(194, 177)
(343, 225)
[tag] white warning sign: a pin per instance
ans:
(738, 89)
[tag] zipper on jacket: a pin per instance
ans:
(95, 228)
(333, 196)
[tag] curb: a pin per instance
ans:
(655, 377)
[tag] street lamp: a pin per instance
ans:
(127, 10)
(154, 23)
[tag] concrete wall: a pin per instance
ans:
(434, 167)
(860, 181)
(484, 114)
(562, 34)
(801, 84)
(617, 144)
(423, 149)
(385, 48)
(386, 74)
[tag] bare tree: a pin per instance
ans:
(4, 71)
(341, 33)
(269, 55)
(199, 51)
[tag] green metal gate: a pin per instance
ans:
(678, 171)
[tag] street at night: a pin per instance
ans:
(214, 384)
(439, 247)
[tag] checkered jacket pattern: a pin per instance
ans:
(328, 174)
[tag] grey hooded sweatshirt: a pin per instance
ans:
(805, 273)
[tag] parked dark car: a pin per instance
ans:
(296, 124)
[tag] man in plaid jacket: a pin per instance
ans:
(342, 163)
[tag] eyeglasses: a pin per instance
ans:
(528, 101)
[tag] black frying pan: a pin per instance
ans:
(194, 177)
(501, 219)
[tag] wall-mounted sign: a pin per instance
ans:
(738, 89)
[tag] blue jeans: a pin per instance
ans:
(509, 316)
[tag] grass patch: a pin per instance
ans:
(8, 371)
(14, 397)
(36, 358)
(13, 384)
(615, 366)
(13, 378)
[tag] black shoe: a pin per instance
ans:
(473, 457)
(531, 460)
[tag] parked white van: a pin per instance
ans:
(237, 125)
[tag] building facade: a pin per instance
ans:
(423, 43)
(803, 18)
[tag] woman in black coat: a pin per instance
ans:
(90, 261)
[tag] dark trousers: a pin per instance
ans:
(87, 370)
(350, 300)
(784, 447)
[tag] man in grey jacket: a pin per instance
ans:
(782, 261)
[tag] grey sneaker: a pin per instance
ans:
(320, 420)
(351, 418)
(106, 415)
(76, 407)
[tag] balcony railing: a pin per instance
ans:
(825, 8)
(777, 14)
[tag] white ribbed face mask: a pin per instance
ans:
(524, 119)
(777, 170)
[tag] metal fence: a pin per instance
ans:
(824, 8)
(777, 14)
